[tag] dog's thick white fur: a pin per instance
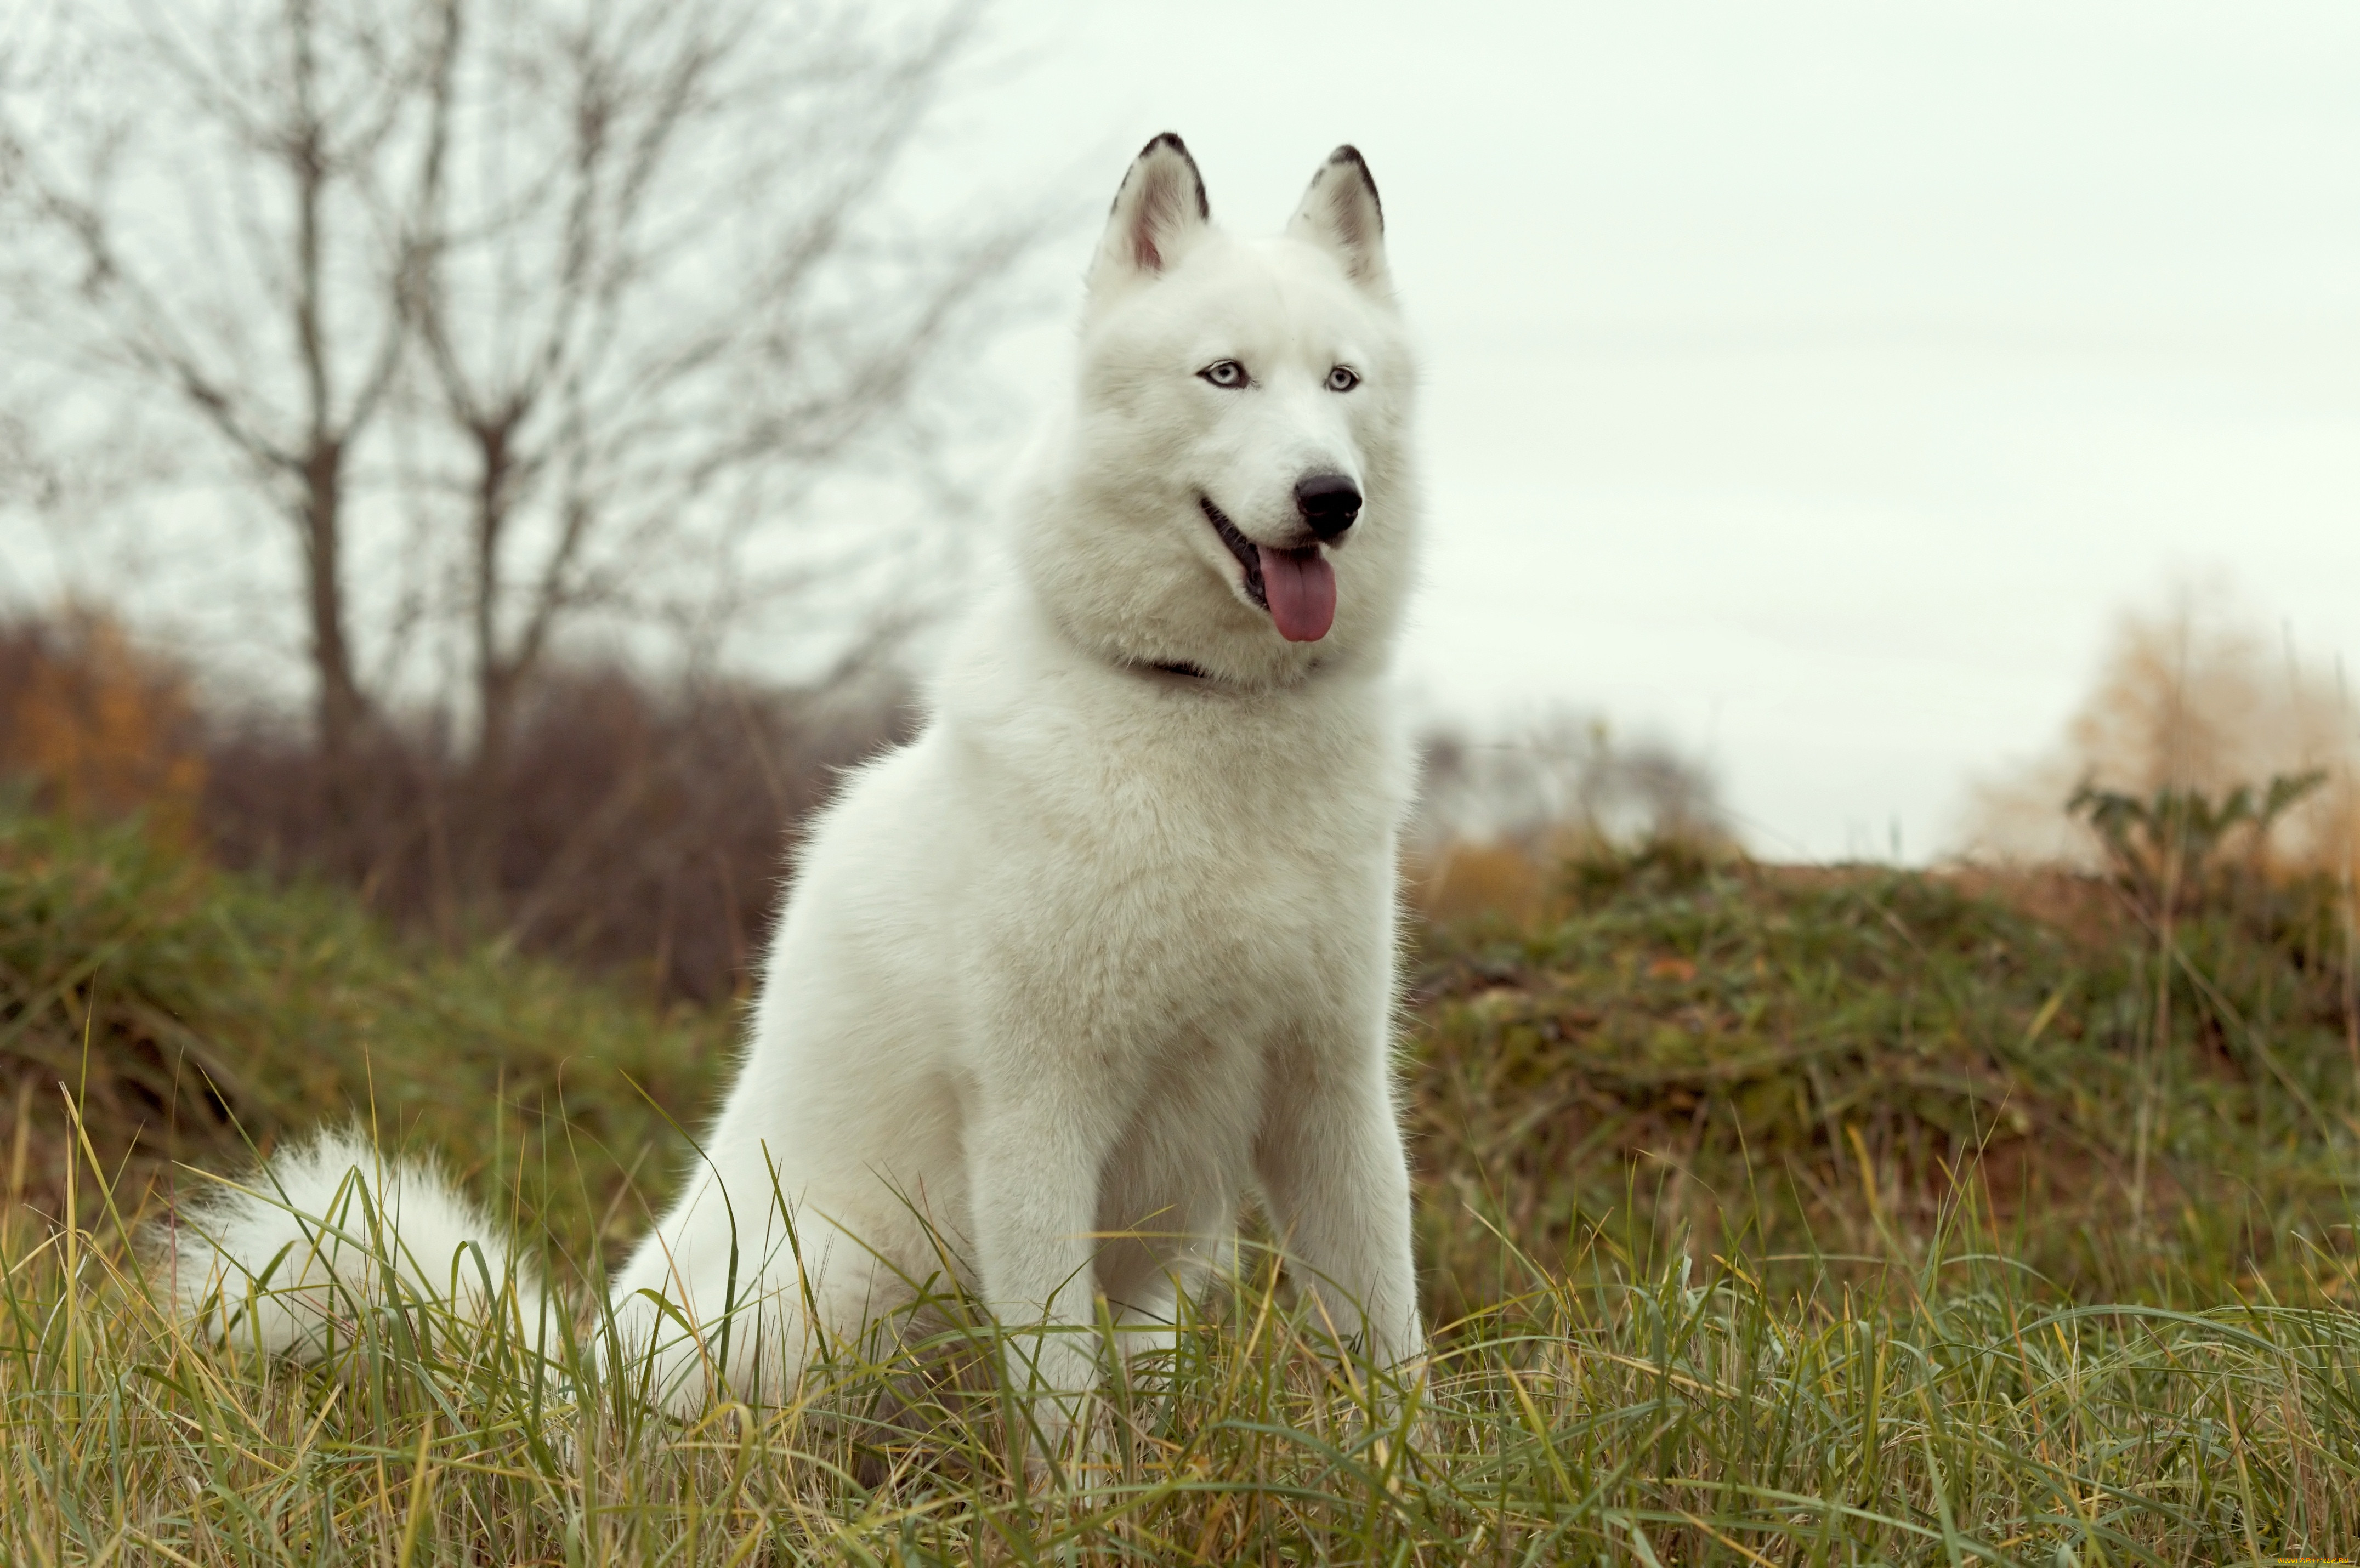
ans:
(1111, 946)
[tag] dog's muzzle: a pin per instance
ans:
(1297, 586)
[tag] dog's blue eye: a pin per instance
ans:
(1224, 373)
(1343, 378)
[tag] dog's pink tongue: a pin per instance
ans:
(1301, 587)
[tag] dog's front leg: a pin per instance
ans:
(1034, 1166)
(1333, 1171)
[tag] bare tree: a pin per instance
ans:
(667, 302)
(219, 218)
(582, 293)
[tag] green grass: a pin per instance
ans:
(1785, 1062)
(1767, 1218)
(192, 1013)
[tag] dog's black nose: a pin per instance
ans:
(1328, 502)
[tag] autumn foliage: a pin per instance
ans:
(99, 728)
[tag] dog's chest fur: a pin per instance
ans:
(1164, 864)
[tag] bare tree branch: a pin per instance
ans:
(675, 285)
(580, 299)
(304, 115)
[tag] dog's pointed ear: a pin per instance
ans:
(1341, 212)
(1158, 215)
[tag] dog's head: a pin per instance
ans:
(1236, 494)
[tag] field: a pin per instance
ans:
(1766, 1216)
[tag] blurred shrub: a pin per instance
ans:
(2170, 851)
(2194, 700)
(97, 727)
(1499, 817)
(1462, 879)
(636, 828)
(1564, 773)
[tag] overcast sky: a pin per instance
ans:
(1809, 382)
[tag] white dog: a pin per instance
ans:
(1110, 945)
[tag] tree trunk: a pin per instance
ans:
(488, 782)
(339, 709)
(497, 678)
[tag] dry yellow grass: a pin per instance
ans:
(2199, 696)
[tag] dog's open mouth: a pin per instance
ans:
(1297, 586)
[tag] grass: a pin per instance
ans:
(1768, 1218)
(1787, 1062)
(189, 1011)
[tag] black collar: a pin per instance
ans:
(1187, 671)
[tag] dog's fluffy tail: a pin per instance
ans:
(329, 1233)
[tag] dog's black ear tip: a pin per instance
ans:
(1170, 142)
(1159, 203)
(1343, 211)
(1348, 157)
